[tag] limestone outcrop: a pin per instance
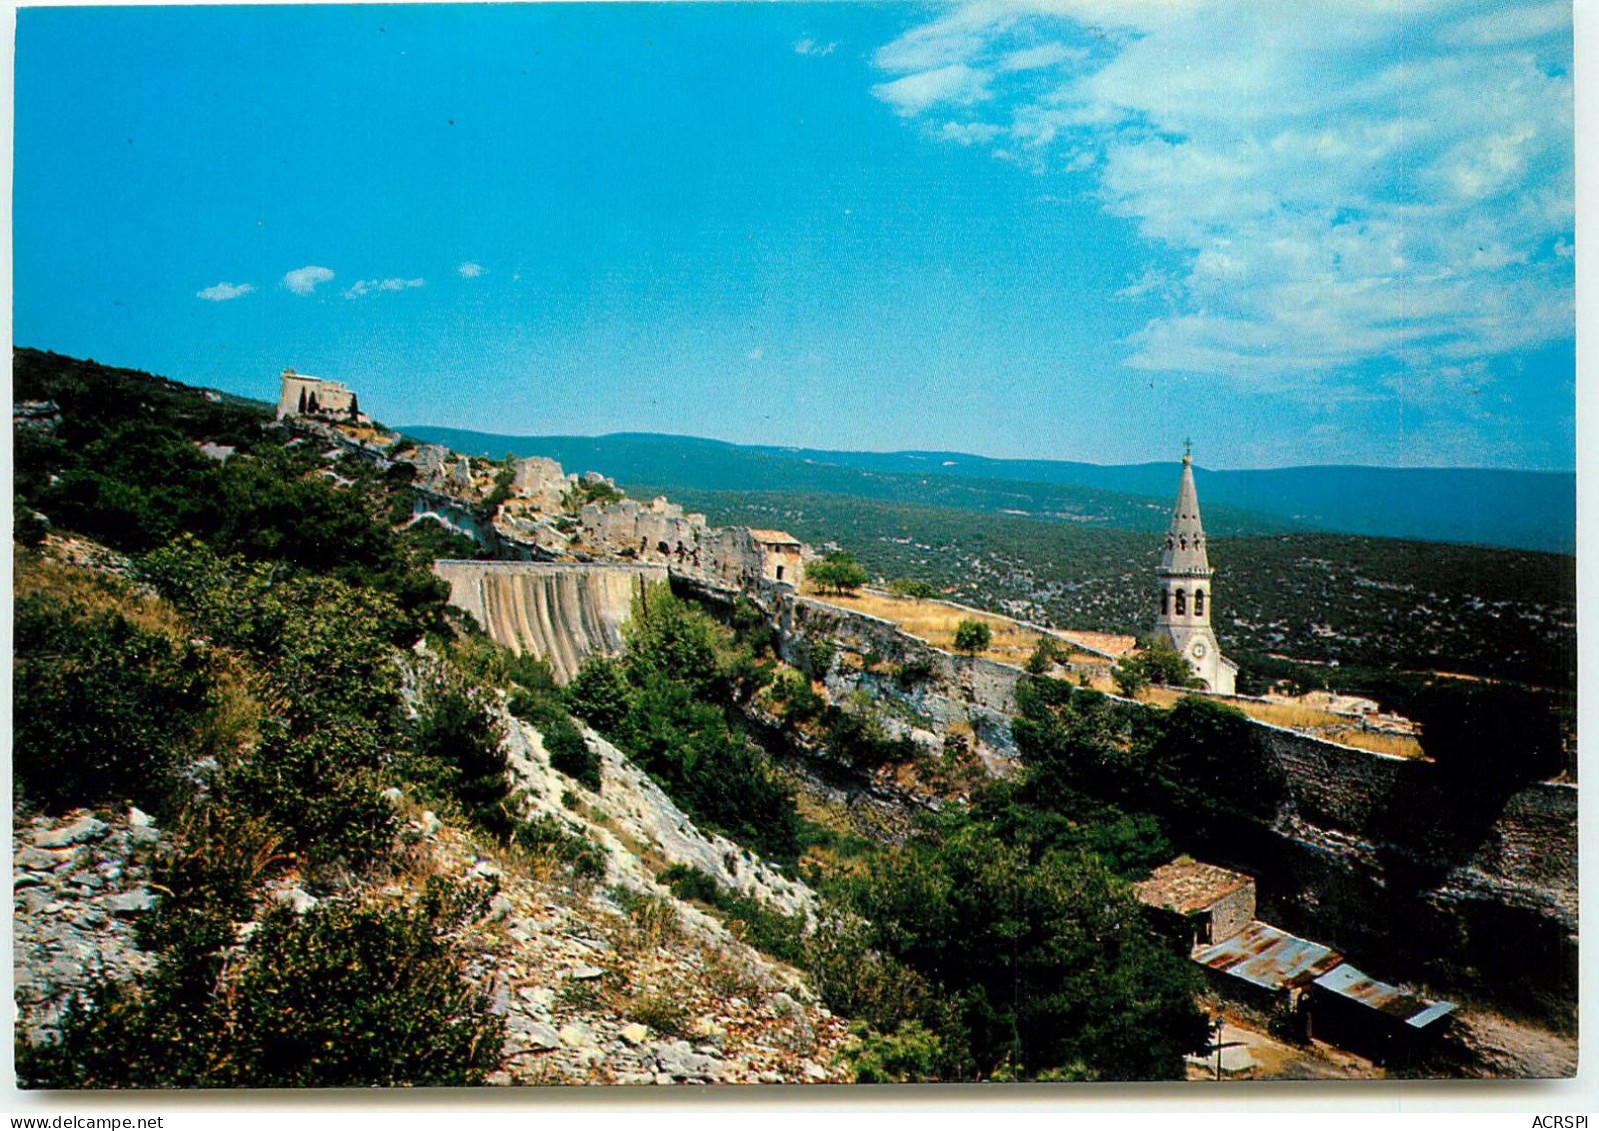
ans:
(79, 884)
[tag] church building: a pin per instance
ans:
(1185, 592)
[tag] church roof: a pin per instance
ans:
(1184, 553)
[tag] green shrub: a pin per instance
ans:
(911, 587)
(345, 997)
(550, 838)
(104, 710)
(972, 636)
(661, 1012)
(691, 883)
(859, 738)
(28, 526)
(820, 653)
(799, 700)
(461, 748)
(909, 1055)
(915, 669)
(570, 754)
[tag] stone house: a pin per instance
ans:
(1215, 903)
(782, 556)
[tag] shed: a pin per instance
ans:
(1215, 903)
(1358, 1012)
(1263, 966)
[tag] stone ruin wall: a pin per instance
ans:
(660, 532)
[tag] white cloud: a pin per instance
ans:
(469, 270)
(755, 354)
(957, 84)
(968, 133)
(809, 46)
(304, 280)
(1044, 55)
(364, 287)
(1319, 199)
(222, 292)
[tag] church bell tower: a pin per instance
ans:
(1185, 599)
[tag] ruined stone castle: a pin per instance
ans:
(312, 396)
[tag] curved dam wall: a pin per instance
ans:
(560, 612)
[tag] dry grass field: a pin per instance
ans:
(935, 622)
(1322, 724)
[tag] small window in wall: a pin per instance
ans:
(1199, 602)
(1165, 602)
(1182, 603)
(780, 573)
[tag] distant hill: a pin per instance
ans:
(1514, 509)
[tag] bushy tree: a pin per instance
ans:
(1215, 765)
(600, 693)
(1157, 662)
(972, 636)
(1048, 960)
(838, 571)
(912, 587)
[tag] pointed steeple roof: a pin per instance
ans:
(1184, 553)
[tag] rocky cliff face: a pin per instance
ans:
(618, 981)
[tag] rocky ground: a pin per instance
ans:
(601, 986)
(603, 981)
(78, 886)
(1499, 1047)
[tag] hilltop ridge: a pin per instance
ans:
(1532, 510)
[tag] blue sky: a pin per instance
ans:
(1068, 229)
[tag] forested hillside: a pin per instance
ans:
(232, 629)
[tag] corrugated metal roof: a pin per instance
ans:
(1266, 957)
(1348, 982)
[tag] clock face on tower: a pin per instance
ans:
(1198, 650)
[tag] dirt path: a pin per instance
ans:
(1278, 1060)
